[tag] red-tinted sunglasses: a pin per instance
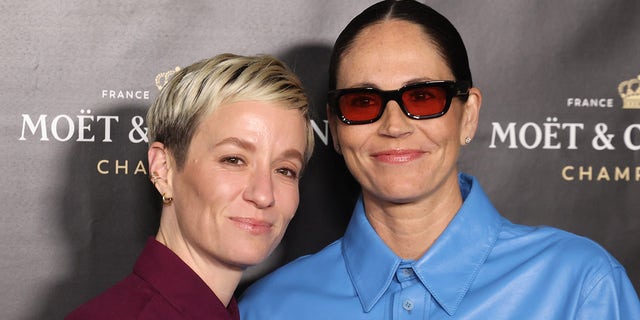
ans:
(423, 100)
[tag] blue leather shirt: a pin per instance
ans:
(481, 267)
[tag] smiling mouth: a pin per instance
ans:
(397, 156)
(254, 226)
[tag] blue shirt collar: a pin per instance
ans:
(469, 237)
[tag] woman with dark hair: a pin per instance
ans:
(424, 241)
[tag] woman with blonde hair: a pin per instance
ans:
(229, 138)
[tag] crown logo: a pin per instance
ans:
(163, 77)
(629, 91)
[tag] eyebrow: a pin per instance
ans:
(293, 153)
(237, 141)
(371, 85)
(289, 153)
(417, 80)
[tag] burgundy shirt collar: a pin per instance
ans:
(180, 285)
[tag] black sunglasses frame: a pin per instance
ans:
(452, 89)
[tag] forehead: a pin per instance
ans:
(393, 50)
(263, 123)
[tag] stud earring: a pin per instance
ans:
(467, 140)
(154, 178)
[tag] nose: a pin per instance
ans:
(394, 123)
(259, 189)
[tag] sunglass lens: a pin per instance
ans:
(425, 101)
(360, 106)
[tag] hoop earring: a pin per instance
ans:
(166, 200)
(467, 140)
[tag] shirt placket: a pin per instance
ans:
(411, 301)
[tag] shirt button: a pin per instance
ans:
(407, 305)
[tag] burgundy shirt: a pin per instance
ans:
(161, 286)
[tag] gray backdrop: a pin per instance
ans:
(555, 145)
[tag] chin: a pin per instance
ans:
(400, 200)
(241, 264)
(246, 259)
(399, 195)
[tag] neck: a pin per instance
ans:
(410, 229)
(220, 278)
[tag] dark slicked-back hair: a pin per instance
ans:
(443, 34)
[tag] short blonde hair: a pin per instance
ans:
(197, 90)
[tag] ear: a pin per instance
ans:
(470, 115)
(160, 168)
(333, 128)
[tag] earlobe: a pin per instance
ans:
(332, 130)
(470, 116)
(336, 147)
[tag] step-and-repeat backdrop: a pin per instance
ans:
(558, 142)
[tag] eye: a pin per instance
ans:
(362, 100)
(420, 95)
(233, 160)
(287, 172)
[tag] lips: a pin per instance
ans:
(397, 156)
(254, 226)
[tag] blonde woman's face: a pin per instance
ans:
(238, 188)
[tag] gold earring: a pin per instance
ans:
(166, 200)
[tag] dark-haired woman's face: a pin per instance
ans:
(398, 159)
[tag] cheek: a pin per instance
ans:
(289, 199)
(445, 129)
(200, 189)
(352, 137)
(456, 120)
